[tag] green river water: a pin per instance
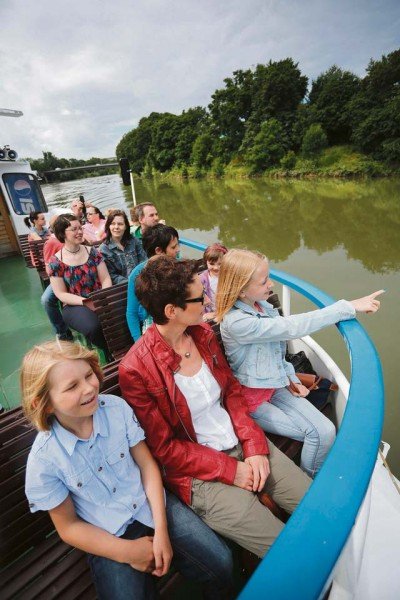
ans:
(342, 236)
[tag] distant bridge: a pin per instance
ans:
(51, 172)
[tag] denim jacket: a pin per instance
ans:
(255, 341)
(119, 262)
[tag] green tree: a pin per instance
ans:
(202, 154)
(269, 146)
(314, 141)
(230, 108)
(192, 122)
(330, 97)
(376, 109)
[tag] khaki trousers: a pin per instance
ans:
(238, 514)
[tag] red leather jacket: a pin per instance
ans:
(148, 385)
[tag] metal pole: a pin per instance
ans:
(133, 188)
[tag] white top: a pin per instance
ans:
(213, 283)
(211, 422)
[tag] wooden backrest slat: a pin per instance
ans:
(56, 580)
(46, 553)
(110, 307)
(24, 245)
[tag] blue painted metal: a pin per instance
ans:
(303, 557)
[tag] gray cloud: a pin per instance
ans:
(85, 72)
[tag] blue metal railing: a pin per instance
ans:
(303, 557)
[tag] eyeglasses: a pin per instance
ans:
(74, 229)
(199, 299)
(90, 213)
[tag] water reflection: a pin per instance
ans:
(277, 217)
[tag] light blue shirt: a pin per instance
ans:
(255, 341)
(135, 312)
(99, 473)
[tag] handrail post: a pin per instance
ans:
(286, 300)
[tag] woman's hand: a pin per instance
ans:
(244, 476)
(298, 389)
(368, 304)
(141, 555)
(162, 552)
(260, 468)
(88, 303)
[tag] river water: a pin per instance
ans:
(342, 236)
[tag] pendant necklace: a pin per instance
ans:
(189, 352)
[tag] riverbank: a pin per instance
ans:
(337, 162)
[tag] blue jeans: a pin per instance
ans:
(298, 419)
(199, 554)
(50, 304)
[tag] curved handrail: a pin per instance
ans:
(303, 557)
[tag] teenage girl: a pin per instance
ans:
(209, 278)
(90, 467)
(255, 336)
(36, 223)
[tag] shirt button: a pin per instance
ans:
(134, 506)
(79, 484)
(102, 403)
(100, 469)
(90, 447)
(114, 490)
(122, 455)
(31, 504)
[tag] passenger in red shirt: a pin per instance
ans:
(211, 453)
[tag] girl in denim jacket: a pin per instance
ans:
(255, 336)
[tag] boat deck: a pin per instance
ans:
(23, 323)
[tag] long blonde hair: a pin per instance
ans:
(35, 370)
(237, 268)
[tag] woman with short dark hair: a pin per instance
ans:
(121, 252)
(75, 272)
(211, 453)
(157, 240)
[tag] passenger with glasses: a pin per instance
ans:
(211, 453)
(75, 272)
(94, 228)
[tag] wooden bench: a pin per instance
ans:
(36, 249)
(26, 251)
(35, 563)
(110, 307)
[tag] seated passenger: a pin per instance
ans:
(93, 229)
(121, 252)
(49, 300)
(36, 223)
(159, 239)
(78, 209)
(212, 454)
(209, 278)
(76, 271)
(90, 467)
(255, 336)
(143, 215)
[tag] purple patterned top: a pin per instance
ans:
(80, 280)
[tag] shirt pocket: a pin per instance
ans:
(119, 461)
(84, 484)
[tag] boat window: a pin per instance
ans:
(24, 192)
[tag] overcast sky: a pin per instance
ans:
(85, 71)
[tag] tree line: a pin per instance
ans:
(265, 117)
(50, 162)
